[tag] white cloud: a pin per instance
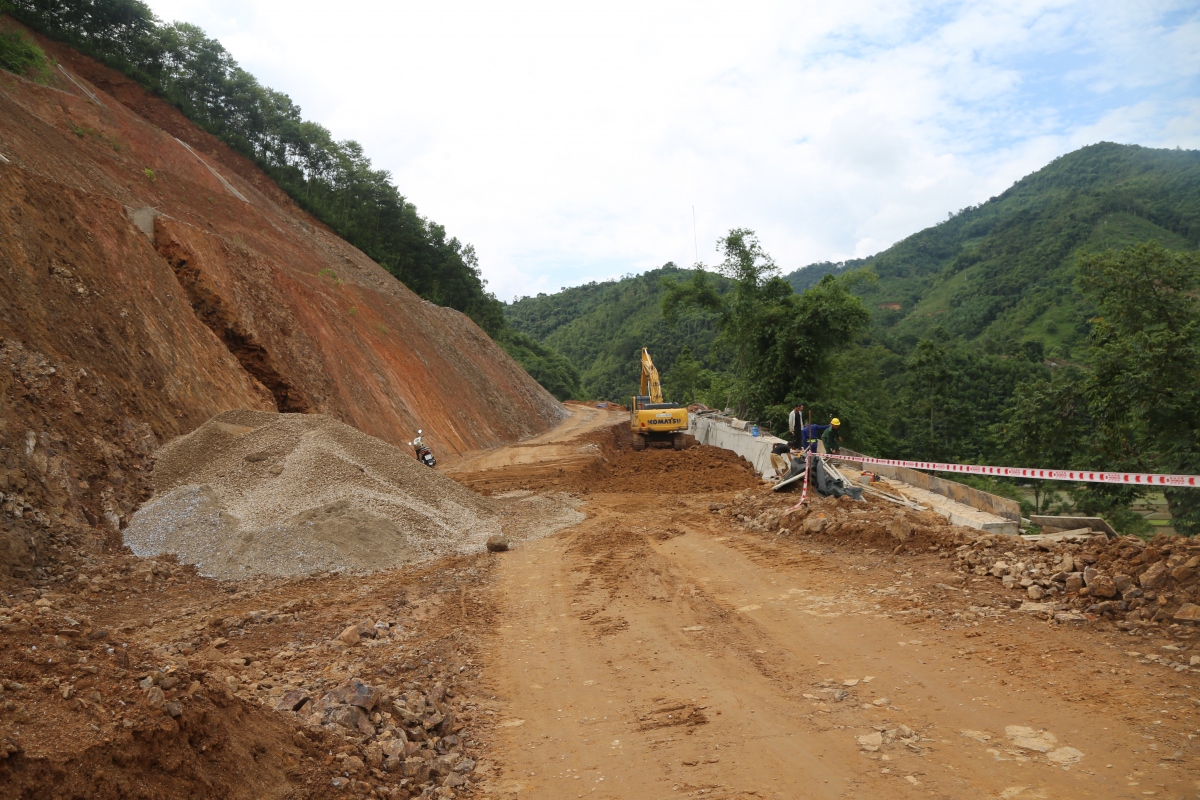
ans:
(569, 142)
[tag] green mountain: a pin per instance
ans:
(1003, 272)
(962, 312)
(601, 327)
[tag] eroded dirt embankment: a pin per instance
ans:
(154, 278)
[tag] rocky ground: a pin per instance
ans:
(173, 685)
(690, 637)
(1143, 588)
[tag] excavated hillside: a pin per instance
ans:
(155, 278)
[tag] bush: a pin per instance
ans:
(19, 54)
(544, 364)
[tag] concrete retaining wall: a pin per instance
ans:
(733, 434)
(961, 504)
(984, 501)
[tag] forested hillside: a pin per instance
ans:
(992, 289)
(601, 327)
(333, 180)
(974, 325)
(1003, 272)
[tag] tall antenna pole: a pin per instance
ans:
(695, 239)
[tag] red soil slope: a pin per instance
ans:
(114, 340)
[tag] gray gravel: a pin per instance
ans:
(253, 492)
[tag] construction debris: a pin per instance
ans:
(1063, 524)
(1076, 536)
(1074, 577)
(891, 498)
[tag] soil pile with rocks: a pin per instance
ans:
(1136, 583)
(1141, 587)
(870, 522)
(253, 492)
(153, 713)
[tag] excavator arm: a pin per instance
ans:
(650, 386)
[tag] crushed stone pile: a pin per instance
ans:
(252, 492)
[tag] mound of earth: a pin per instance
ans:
(698, 469)
(252, 492)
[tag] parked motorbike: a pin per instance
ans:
(424, 454)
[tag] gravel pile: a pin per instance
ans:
(253, 492)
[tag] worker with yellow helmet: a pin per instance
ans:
(831, 436)
(812, 433)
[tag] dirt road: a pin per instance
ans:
(662, 650)
(563, 445)
(664, 643)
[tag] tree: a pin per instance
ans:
(1134, 406)
(687, 377)
(1144, 391)
(545, 365)
(781, 342)
(1044, 425)
(929, 374)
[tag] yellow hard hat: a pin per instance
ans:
(835, 422)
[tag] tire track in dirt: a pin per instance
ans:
(661, 650)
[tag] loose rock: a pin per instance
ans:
(1029, 739)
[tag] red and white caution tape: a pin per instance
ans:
(1087, 476)
(804, 492)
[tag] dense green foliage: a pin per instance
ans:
(1002, 273)
(1134, 404)
(989, 299)
(21, 55)
(334, 180)
(546, 365)
(782, 343)
(601, 328)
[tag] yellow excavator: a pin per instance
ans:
(652, 420)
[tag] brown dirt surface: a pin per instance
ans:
(698, 469)
(80, 726)
(150, 681)
(675, 642)
(601, 460)
(113, 341)
(704, 644)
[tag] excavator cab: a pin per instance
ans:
(651, 419)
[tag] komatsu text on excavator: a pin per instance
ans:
(652, 420)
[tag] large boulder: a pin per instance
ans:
(1154, 577)
(350, 717)
(1102, 586)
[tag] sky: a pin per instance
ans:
(576, 142)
